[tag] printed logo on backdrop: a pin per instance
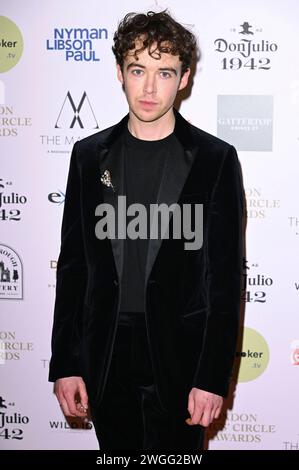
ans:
(56, 197)
(75, 113)
(12, 422)
(11, 274)
(45, 364)
(246, 47)
(69, 425)
(240, 426)
(246, 121)
(53, 267)
(12, 348)
(291, 445)
(11, 44)
(258, 205)
(254, 355)
(294, 224)
(10, 202)
(295, 352)
(77, 44)
(10, 121)
(256, 284)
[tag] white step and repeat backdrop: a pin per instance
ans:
(57, 85)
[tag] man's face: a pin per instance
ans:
(151, 84)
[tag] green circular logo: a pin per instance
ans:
(11, 44)
(254, 356)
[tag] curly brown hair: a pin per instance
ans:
(150, 28)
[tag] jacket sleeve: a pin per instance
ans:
(223, 258)
(70, 284)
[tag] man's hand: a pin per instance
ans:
(72, 396)
(203, 407)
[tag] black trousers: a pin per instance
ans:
(130, 416)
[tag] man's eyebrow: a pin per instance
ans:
(162, 69)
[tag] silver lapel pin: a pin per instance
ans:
(106, 179)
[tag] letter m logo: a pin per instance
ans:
(70, 114)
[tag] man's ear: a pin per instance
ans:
(184, 80)
(119, 74)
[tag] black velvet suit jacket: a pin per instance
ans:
(192, 297)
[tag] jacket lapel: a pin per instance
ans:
(175, 172)
(112, 159)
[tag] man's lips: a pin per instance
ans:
(147, 103)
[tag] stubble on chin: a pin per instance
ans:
(151, 117)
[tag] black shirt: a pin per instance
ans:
(144, 164)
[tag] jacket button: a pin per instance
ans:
(115, 282)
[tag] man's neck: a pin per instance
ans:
(154, 130)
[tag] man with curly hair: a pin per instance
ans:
(145, 329)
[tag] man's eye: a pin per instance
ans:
(136, 72)
(165, 74)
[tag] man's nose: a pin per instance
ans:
(150, 84)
